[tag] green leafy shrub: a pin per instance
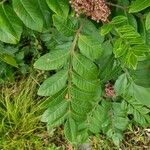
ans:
(99, 72)
(16, 60)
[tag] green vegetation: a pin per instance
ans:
(20, 110)
(74, 72)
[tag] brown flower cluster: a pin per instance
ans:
(109, 90)
(96, 9)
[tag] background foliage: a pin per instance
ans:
(79, 59)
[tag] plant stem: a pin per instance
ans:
(116, 5)
(70, 61)
(2, 2)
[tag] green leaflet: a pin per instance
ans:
(83, 102)
(59, 7)
(97, 118)
(81, 107)
(130, 60)
(107, 50)
(119, 19)
(70, 130)
(78, 117)
(10, 25)
(56, 40)
(57, 109)
(132, 21)
(108, 72)
(148, 21)
(124, 86)
(90, 30)
(139, 5)
(90, 46)
(34, 14)
(65, 26)
(45, 13)
(147, 36)
(119, 48)
(58, 121)
(129, 47)
(105, 29)
(140, 93)
(53, 84)
(140, 49)
(53, 114)
(66, 45)
(141, 74)
(9, 59)
(55, 99)
(83, 84)
(85, 67)
(53, 60)
(109, 69)
(140, 113)
(136, 97)
(127, 32)
(83, 95)
(120, 119)
(121, 84)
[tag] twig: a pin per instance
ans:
(2, 2)
(115, 5)
(35, 80)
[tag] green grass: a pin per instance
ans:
(20, 110)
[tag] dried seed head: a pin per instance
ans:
(96, 9)
(109, 90)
